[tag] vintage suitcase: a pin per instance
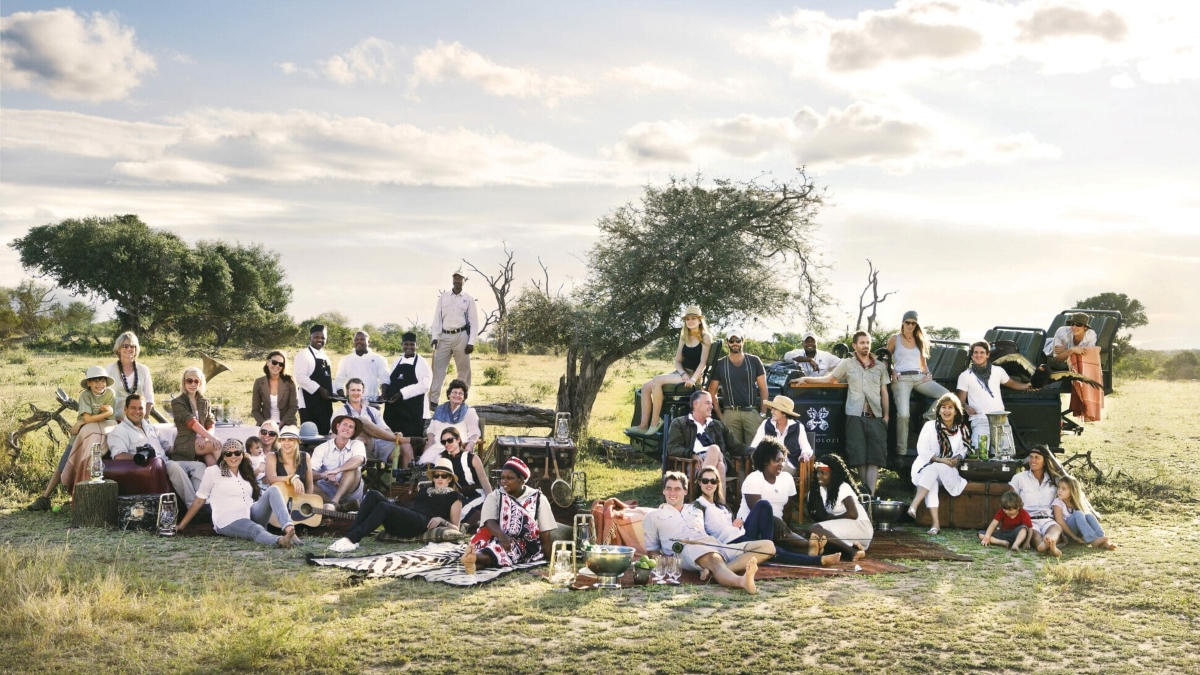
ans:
(532, 450)
(133, 479)
(989, 471)
(973, 509)
(138, 512)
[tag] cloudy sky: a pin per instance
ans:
(996, 160)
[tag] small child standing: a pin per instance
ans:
(254, 450)
(1073, 513)
(97, 404)
(1010, 526)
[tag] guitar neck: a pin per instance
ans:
(325, 513)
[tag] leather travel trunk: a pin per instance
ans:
(132, 479)
(973, 509)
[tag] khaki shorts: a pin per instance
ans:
(692, 552)
(866, 441)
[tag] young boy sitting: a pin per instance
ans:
(1010, 526)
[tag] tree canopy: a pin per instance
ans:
(740, 250)
(1133, 315)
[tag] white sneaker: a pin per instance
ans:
(343, 545)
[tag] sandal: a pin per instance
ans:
(934, 530)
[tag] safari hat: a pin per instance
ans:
(290, 431)
(1080, 317)
(692, 310)
(443, 464)
(784, 405)
(338, 420)
(93, 373)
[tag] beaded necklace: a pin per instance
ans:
(124, 383)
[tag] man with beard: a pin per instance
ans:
(742, 382)
(455, 329)
(315, 380)
(407, 395)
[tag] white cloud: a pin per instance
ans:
(371, 60)
(1121, 81)
(860, 134)
(649, 76)
(880, 49)
(454, 61)
(68, 56)
(85, 135)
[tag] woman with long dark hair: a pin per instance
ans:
(910, 372)
(239, 508)
(944, 442)
(274, 394)
(833, 502)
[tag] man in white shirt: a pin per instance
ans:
(375, 436)
(315, 380)
(135, 432)
(363, 364)
(674, 522)
(337, 465)
(455, 329)
(407, 394)
(812, 360)
(979, 388)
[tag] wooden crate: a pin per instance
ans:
(973, 509)
(533, 451)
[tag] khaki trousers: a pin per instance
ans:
(448, 345)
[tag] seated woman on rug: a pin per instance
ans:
(759, 524)
(517, 523)
(943, 444)
(239, 508)
(472, 477)
(768, 483)
(453, 413)
(834, 502)
(288, 466)
(437, 506)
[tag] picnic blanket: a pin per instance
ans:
(433, 562)
(902, 544)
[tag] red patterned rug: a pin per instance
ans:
(903, 544)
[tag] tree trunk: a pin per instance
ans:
(94, 504)
(577, 390)
(515, 415)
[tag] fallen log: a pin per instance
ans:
(515, 415)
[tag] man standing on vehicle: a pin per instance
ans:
(866, 408)
(743, 381)
(455, 329)
(979, 388)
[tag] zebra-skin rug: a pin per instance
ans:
(434, 562)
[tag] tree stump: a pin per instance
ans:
(94, 504)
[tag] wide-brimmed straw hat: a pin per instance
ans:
(443, 464)
(784, 405)
(692, 310)
(94, 373)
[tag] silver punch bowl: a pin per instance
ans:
(609, 563)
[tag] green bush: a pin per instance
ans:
(1182, 366)
(495, 376)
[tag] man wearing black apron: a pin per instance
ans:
(407, 394)
(315, 379)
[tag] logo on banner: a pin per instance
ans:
(817, 419)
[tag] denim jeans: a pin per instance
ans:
(270, 502)
(1085, 525)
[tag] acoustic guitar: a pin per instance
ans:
(306, 509)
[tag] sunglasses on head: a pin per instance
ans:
(233, 453)
(443, 474)
(277, 363)
(191, 380)
(708, 481)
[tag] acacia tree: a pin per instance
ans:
(149, 274)
(738, 249)
(241, 296)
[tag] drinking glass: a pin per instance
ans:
(660, 568)
(675, 570)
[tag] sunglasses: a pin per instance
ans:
(441, 474)
(910, 323)
(234, 453)
(448, 440)
(191, 380)
(1078, 325)
(128, 346)
(264, 432)
(732, 340)
(276, 363)
(708, 481)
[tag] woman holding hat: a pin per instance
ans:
(239, 508)
(943, 443)
(439, 505)
(96, 408)
(690, 355)
(274, 394)
(129, 376)
(910, 372)
(517, 523)
(783, 425)
(288, 466)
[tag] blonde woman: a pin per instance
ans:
(129, 376)
(288, 465)
(193, 420)
(910, 372)
(692, 353)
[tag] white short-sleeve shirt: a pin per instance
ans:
(777, 494)
(978, 397)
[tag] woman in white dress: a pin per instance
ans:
(941, 447)
(834, 503)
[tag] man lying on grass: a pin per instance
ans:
(673, 522)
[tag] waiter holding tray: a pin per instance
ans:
(315, 379)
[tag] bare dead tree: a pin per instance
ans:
(544, 288)
(876, 300)
(501, 285)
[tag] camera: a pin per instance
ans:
(142, 455)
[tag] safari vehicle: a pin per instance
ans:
(1037, 416)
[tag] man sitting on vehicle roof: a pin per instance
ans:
(812, 360)
(1073, 338)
